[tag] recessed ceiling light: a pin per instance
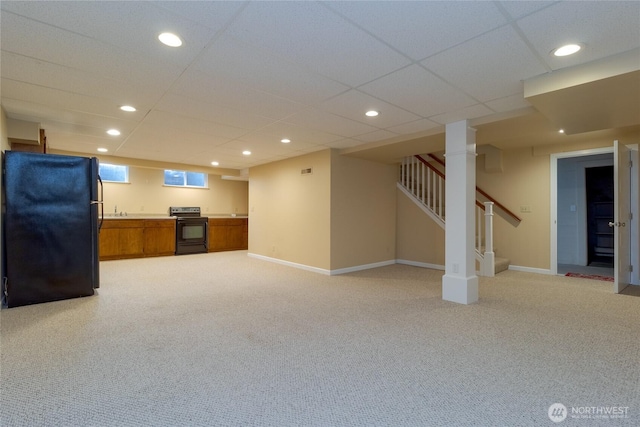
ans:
(113, 132)
(102, 150)
(246, 152)
(170, 39)
(561, 131)
(128, 108)
(371, 113)
(285, 140)
(215, 163)
(568, 49)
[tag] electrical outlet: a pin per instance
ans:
(141, 208)
(525, 209)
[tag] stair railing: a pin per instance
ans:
(425, 184)
(509, 216)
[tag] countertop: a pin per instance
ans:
(164, 216)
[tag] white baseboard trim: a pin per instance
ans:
(362, 267)
(291, 264)
(420, 264)
(323, 270)
(381, 264)
(530, 269)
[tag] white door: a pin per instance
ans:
(621, 211)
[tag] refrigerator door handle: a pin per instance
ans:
(101, 203)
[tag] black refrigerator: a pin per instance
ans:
(51, 227)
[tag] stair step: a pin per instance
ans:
(501, 264)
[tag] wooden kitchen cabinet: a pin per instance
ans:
(159, 237)
(121, 238)
(137, 238)
(228, 234)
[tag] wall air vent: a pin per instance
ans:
(307, 171)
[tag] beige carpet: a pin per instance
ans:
(222, 339)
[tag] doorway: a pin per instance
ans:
(599, 193)
(584, 195)
(568, 212)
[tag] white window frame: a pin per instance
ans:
(126, 173)
(184, 185)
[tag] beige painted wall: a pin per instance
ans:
(523, 182)
(146, 194)
(419, 239)
(363, 213)
(289, 213)
(4, 142)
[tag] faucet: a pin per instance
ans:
(115, 210)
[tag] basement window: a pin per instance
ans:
(113, 173)
(176, 178)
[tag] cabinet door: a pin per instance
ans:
(159, 237)
(130, 241)
(218, 236)
(234, 236)
(121, 239)
(108, 242)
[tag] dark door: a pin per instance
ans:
(599, 188)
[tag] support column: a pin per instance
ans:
(460, 283)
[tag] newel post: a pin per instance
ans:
(489, 255)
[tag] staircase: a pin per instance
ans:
(424, 183)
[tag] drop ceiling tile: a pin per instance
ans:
(353, 104)
(472, 112)
(345, 143)
(169, 122)
(297, 134)
(68, 106)
(518, 9)
(51, 44)
(48, 114)
(170, 138)
(135, 29)
(46, 74)
(226, 94)
(508, 103)
(205, 110)
(422, 28)
(379, 135)
(500, 54)
(151, 154)
(418, 91)
(607, 28)
(260, 69)
(211, 14)
(314, 37)
(414, 127)
(319, 120)
(272, 148)
(204, 158)
(259, 152)
(70, 141)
